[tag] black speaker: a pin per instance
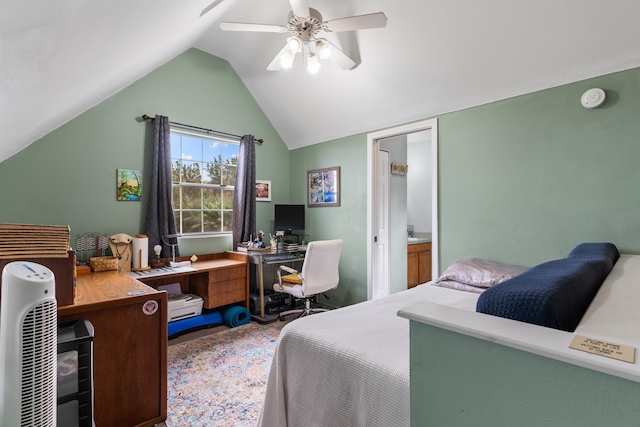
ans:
(274, 303)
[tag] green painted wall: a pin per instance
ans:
(521, 181)
(526, 179)
(68, 177)
(349, 220)
(462, 381)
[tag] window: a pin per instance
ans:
(204, 174)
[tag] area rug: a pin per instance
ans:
(220, 379)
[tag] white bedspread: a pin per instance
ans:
(350, 366)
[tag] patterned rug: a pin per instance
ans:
(220, 379)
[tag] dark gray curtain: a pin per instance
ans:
(160, 217)
(244, 197)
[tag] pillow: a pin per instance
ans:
(554, 294)
(605, 253)
(477, 275)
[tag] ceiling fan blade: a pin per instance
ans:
(264, 28)
(300, 8)
(276, 64)
(339, 57)
(360, 22)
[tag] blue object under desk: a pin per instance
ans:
(204, 319)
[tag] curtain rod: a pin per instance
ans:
(146, 117)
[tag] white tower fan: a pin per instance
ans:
(28, 346)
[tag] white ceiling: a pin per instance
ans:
(57, 59)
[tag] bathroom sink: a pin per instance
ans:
(417, 240)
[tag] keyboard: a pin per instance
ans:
(280, 257)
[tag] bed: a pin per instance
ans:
(324, 374)
(350, 367)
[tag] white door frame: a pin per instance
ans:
(373, 145)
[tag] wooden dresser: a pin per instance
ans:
(129, 347)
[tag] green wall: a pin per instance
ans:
(526, 179)
(349, 220)
(521, 180)
(461, 381)
(69, 176)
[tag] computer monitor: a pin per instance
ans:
(288, 218)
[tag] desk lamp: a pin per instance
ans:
(158, 249)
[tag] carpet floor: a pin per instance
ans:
(220, 379)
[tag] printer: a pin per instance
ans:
(182, 306)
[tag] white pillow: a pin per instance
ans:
(477, 275)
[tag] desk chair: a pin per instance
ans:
(319, 274)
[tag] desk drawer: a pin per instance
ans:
(227, 274)
(225, 298)
(216, 294)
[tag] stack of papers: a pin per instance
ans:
(34, 241)
(290, 247)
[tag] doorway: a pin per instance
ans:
(378, 251)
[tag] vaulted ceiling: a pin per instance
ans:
(57, 59)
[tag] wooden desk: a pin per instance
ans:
(129, 347)
(130, 341)
(220, 279)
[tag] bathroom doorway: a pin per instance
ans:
(381, 252)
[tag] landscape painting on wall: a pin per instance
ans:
(129, 185)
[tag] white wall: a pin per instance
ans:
(397, 147)
(419, 181)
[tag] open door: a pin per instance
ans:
(381, 262)
(378, 232)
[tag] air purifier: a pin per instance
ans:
(28, 346)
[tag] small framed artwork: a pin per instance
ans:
(129, 185)
(263, 191)
(399, 168)
(323, 187)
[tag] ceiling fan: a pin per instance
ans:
(305, 23)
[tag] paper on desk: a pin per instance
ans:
(173, 289)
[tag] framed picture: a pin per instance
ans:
(263, 191)
(323, 187)
(128, 185)
(399, 168)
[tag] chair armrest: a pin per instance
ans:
(288, 269)
(278, 285)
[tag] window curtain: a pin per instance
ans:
(244, 197)
(160, 217)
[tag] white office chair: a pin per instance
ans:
(319, 274)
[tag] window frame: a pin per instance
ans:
(180, 186)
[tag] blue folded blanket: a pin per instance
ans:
(554, 294)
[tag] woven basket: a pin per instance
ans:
(103, 263)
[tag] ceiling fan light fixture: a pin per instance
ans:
(313, 65)
(323, 48)
(304, 24)
(294, 43)
(286, 59)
